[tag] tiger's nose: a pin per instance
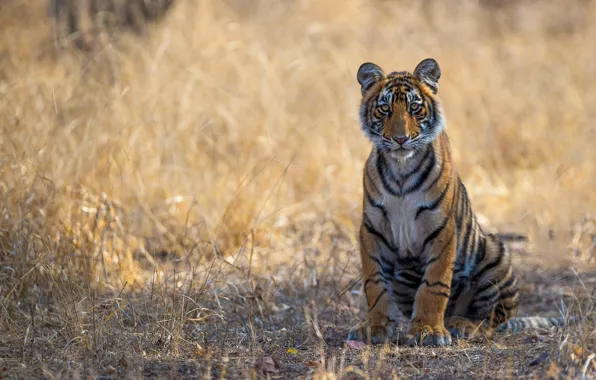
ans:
(401, 139)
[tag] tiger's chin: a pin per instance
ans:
(402, 154)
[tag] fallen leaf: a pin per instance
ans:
(539, 360)
(200, 350)
(291, 351)
(123, 362)
(553, 370)
(312, 364)
(354, 344)
(266, 364)
(577, 350)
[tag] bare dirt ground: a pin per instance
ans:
(183, 202)
(222, 323)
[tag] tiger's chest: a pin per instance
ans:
(401, 226)
(407, 226)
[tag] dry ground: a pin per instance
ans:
(185, 203)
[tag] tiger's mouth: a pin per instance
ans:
(397, 148)
(401, 152)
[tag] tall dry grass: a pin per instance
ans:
(236, 117)
(233, 127)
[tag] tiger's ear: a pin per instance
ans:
(368, 75)
(429, 72)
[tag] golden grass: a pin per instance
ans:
(232, 131)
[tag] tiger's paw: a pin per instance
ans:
(426, 335)
(462, 328)
(378, 334)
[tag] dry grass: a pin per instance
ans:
(185, 203)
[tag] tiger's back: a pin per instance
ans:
(422, 249)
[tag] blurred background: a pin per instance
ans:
(136, 133)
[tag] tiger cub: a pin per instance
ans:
(423, 252)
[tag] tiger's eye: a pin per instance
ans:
(414, 107)
(384, 108)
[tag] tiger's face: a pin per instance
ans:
(400, 112)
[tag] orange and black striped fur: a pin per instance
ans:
(423, 252)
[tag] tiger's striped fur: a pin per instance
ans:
(422, 250)
(80, 21)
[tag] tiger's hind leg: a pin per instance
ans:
(493, 294)
(463, 328)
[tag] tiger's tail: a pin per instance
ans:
(515, 325)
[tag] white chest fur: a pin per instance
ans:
(400, 208)
(402, 225)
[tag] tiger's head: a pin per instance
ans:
(401, 112)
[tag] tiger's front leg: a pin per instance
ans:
(377, 274)
(427, 326)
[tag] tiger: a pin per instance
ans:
(422, 249)
(80, 21)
